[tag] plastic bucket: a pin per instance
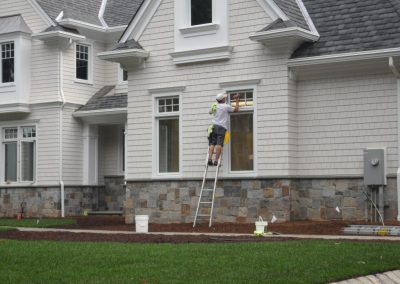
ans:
(142, 223)
(260, 225)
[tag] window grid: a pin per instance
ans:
(29, 132)
(168, 105)
(82, 62)
(246, 98)
(7, 62)
(10, 133)
(7, 50)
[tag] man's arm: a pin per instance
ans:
(237, 99)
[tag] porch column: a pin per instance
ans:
(90, 154)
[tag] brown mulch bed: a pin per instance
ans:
(116, 223)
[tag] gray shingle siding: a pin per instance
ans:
(352, 26)
(292, 10)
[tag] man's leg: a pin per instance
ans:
(218, 150)
(210, 152)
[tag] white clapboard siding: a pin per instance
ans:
(276, 113)
(338, 117)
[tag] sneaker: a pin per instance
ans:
(215, 163)
(210, 163)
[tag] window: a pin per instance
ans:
(7, 62)
(82, 62)
(201, 12)
(168, 134)
(242, 146)
(124, 75)
(19, 146)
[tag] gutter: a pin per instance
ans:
(396, 73)
(62, 187)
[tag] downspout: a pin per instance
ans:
(396, 73)
(63, 102)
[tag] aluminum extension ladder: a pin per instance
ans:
(207, 204)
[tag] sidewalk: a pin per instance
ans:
(391, 277)
(294, 236)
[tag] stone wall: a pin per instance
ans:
(243, 201)
(112, 196)
(46, 201)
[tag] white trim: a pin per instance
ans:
(101, 13)
(272, 10)
(89, 80)
(198, 30)
(134, 52)
(13, 108)
(41, 13)
(286, 32)
(343, 57)
(96, 112)
(202, 55)
(141, 20)
(241, 83)
(76, 23)
(60, 16)
(61, 34)
(307, 17)
(177, 89)
(169, 92)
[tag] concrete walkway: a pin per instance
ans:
(391, 277)
(317, 237)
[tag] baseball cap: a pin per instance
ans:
(220, 96)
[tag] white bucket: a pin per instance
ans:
(260, 226)
(142, 223)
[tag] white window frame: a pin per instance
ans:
(213, 16)
(121, 76)
(19, 139)
(89, 81)
(156, 117)
(2, 42)
(226, 153)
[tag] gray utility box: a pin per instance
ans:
(374, 167)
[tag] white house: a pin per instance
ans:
(319, 83)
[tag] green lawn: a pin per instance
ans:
(33, 223)
(270, 262)
(3, 229)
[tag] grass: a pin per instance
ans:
(3, 229)
(33, 223)
(271, 262)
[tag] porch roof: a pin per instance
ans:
(105, 99)
(12, 24)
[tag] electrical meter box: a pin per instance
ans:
(374, 166)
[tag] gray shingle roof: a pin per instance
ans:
(292, 10)
(130, 44)
(11, 24)
(60, 28)
(352, 26)
(105, 99)
(85, 11)
(279, 24)
(120, 12)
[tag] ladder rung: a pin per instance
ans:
(203, 215)
(206, 202)
(208, 189)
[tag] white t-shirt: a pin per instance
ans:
(222, 115)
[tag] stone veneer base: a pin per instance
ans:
(242, 201)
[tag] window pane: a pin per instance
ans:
(11, 133)
(29, 132)
(10, 151)
(27, 160)
(168, 145)
(82, 62)
(7, 62)
(201, 12)
(242, 142)
(124, 75)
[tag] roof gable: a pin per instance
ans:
(292, 10)
(12, 24)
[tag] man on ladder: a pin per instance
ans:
(216, 140)
(220, 126)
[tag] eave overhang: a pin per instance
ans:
(15, 108)
(58, 35)
(268, 37)
(126, 57)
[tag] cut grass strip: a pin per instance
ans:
(269, 262)
(5, 229)
(33, 223)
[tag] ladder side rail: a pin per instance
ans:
(202, 187)
(215, 187)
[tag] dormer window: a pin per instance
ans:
(201, 12)
(7, 62)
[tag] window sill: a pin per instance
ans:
(5, 85)
(84, 82)
(199, 30)
(17, 184)
(167, 176)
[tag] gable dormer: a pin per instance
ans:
(201, 31)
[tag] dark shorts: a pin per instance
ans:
(217, 136)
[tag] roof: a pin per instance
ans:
(116, 13)
(104, 99)
(12, 24)
(130, 44)
(61, 29)
(352, 26)
(279, 24)
(292, 10)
